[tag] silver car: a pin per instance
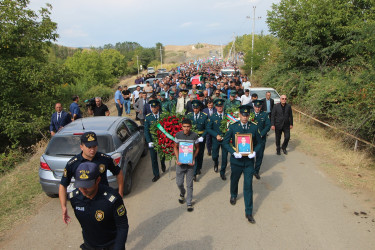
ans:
(119, 137)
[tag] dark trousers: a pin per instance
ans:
(119, 110)
(278, 132)
(215, 155)
(248, 172)
(209, 143)
(142, 121)
(259, 156)
(199, 158)
(154, 162)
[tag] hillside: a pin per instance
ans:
(182, 53)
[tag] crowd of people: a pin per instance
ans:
(203, 95)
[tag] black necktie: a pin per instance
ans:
(221, 117)
(244, 126)
(58, 116)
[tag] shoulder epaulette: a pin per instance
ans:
(254, 122)
(204, 113)
(189, 113)
(74, 159)
(148, 114)
(105, 155)
(74, 193)
(110, 197)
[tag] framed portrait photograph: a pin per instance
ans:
(244, 144)
(185, 152)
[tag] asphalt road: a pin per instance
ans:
(296, 207)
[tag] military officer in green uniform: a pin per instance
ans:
(199, 119)
(240, 163)
(213, 128)
(164, 102)
(172, 101)
(149, 120)
(232, 102)
(264, 125)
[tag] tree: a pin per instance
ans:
(322, 32)
(27, 80)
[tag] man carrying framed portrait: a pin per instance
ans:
(247, 140)
(186, 149)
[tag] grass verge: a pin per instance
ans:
(353, 170)
(20, 191)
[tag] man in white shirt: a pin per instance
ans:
(246, 98)
(245, 83)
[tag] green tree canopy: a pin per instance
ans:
(28, 82)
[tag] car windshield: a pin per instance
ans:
(262, 93)
(69, 145)
(162, 75)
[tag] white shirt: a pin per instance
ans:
(245, 99)
(246, 85)
(136, 94)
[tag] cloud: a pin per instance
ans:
(186, 24)
(212, 25)
(73, 32)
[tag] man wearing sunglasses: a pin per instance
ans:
(282, 122)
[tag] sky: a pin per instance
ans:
(86, 23)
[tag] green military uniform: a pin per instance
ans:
(172, 103)
(264, 125)
(213, 128)
(164, 102)
(243, 165)
(149, 120)
(200, 122)
(231, 103)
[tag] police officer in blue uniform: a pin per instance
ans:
(99, 209)
(240, 163)
(89, 147)
(213, 128)
(149, 120)
(199, 119)
(264, 125)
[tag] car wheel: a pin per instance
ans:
(128, 181)
(145, 149)
(52, 195)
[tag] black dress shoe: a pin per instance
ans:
(257, 176)
(163, 168)
(216, 168)
(195, 178)
(250, 218)
(223, 177)
(155, 178)
(232, 200)
(278, 152)
(284, 151)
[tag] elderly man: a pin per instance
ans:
(59, 119)
(182, 101)
(282, 122)
(99, 109)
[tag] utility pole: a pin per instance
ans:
(137, 65)
(252, 42)
(161, 57)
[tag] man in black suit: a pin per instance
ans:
(210, 110)
(59, 119)
(268, 103)
(282, 122)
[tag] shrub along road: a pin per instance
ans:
(295, 206)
